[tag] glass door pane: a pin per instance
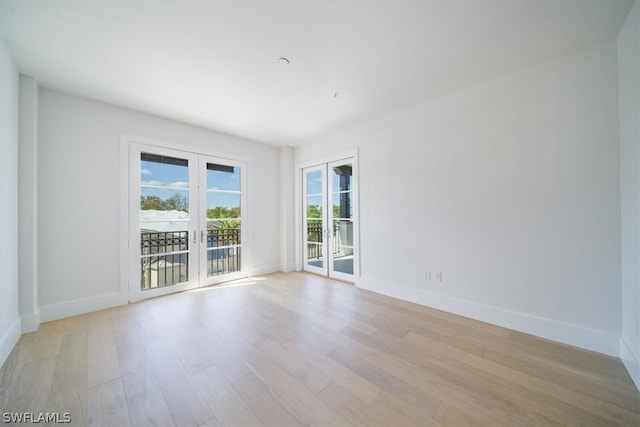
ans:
(314, 217)
(164, 219)
(329, 219)
(223, 219)
(341, 214)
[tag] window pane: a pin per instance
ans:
(314, 207)
(343, 264)
(223, 219)
(314, 255)
(221, 177)
(223, 205)
(223, 261)
(343, 246)
(314, 230)
(164, 174)
(314, 182)
(164, 200)
(342, 177)
(342, 191)
(164, 220)
(342, 205)
(163, 270)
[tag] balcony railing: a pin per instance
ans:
(165, 255)
(223, 251)
(315, 238)
(164, 258)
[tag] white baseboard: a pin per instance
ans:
(81, 306)
(630, 361)
(261, 270)
(9, 340)
(31, 322)
(287, 267)
(590, 339)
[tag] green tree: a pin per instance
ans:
(314, 211)
(223, 213)
(151, 202)
(177, 202)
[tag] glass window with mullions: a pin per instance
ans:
(164, 220)
(224, 219)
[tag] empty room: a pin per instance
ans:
(288, 213)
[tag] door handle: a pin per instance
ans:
(201, 236)
(195, 240)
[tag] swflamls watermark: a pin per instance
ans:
(36, 417)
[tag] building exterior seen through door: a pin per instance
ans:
(329, 219)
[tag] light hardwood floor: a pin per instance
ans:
(295, 349)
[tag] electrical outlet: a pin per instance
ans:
(439, 276)
(427, 275)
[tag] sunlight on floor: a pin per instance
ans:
(247, 281)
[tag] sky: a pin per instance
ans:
(165, 180)
(314, 188)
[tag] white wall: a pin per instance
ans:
(511, 189)
(10, 325)
(28, 204)
(629, 72)
(287, 209)
(79, 195)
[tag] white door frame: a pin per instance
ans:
(306, 265)
(129, 246)
(212, 280)
(351, 155)
(135, 292)
(334, 227)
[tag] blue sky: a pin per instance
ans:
(314, 182)
(222, 187)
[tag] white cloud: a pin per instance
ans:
(146, 172)
(179, 184)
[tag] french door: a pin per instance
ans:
(186, 223)
(329, 219)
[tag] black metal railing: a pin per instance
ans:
(223, 237)
(315, 238)
(223, 251)
(158, 269)
(155, 242)
(165, 256)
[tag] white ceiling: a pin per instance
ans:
(215, 64)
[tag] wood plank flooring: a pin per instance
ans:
(295, 349)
